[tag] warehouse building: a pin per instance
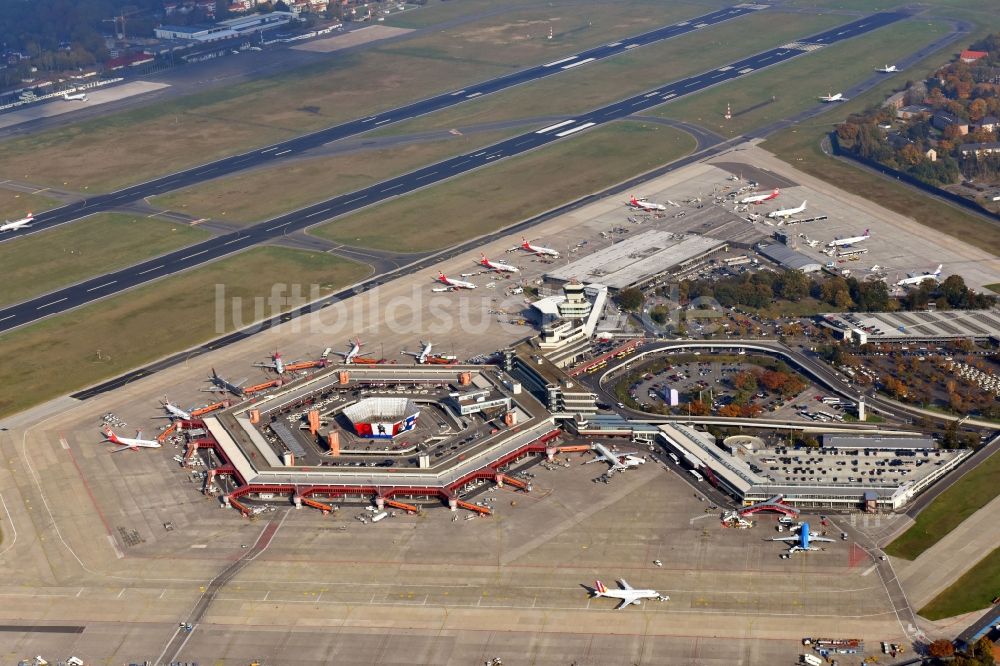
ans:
(788, 258)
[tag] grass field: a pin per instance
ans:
(971, 493)
(500, 195)
(265, 193)
(973, 591)
(795, 85)
(98, 244)
(800, 146)
(15, 205)
(165, 137)
(603, 82)
(79, 348)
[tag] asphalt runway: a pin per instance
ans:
(221, 246)
(293, 147)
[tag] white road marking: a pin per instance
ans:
(381, 122)
(101, 286)
(193, 255)
(284, 152)
(8, 317)
(559, 62)
(426, 175)
(267, 150)
(577, 63)
(232, 241)
(575, 129)
(150, 270)
(52, 303)
(556, 126)
(475, 94)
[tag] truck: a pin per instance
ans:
(379, 516)
(812, 660)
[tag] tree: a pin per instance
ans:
(631, 299)
(941, 648)
(659, 313)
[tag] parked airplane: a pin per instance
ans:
(349, 356)
(129, 442)
(221, 385)
(498, 265)
(276, 363)
(453, 283)
(761, 198)
(424, 353)
(537, 249)
(787, 212)
(917, 278)
(887, 69)
(71, 97)
(841, 242)
(617, 462)
(17, 224)
(802, 539)
(642, 204)
(836, 97)
(173, 411)
(627, 594)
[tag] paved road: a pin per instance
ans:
(293, 147)
(221, 246)
(181, 635)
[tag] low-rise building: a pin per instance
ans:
(980, 149)
(942, 120)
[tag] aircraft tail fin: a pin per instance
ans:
(599, 587)
(938, 270)
(110, 434)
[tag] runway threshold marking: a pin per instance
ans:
(574, 130)
(577, 63)
(556, 126)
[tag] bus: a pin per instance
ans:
(845, 254)
(696, 475)
(831, 400)
(673, 457)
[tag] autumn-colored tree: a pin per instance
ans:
(698, 408)
(941, 648)
(731, 410)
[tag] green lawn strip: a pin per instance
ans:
(78, 348)
(969, 494)
(132, 146)
(98, 244)
(265, 193)
(975, 590)
(494, 197)
(600, 83)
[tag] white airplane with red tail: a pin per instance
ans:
(17, 224)
(276, 364)
(498, 265)
(537, 249)
(453, 283)
(761, 198)
(642, 204)
(129, 442)
(627, 594)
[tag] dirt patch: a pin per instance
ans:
(372, 33)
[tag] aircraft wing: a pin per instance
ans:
(123, 447)
(624, 584)
(787, 538)
(623, 604)
(818, 538)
